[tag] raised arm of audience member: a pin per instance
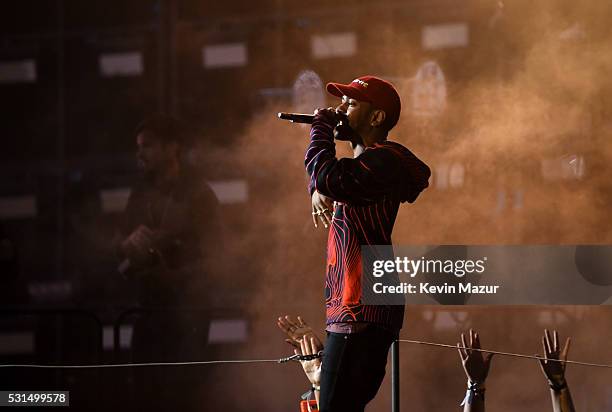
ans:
(294, 329)
(554, 371)
(311, 345)
(476, 367)
(305, 341)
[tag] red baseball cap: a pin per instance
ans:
(380, 93)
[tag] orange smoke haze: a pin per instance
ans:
(528, 139)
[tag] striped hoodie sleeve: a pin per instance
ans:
(378, 172)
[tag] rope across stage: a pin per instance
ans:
(515, 355)
(296, 358)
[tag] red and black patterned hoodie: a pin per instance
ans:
(368, 190)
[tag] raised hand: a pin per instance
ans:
(311, 345)
(475, 365)
(294, 329)
(553, 370)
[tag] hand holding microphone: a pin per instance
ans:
(332, 116)
(342, 130)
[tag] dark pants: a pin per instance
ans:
(353, 368)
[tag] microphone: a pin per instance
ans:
(308, 118)
(342, 131)
(296, 117)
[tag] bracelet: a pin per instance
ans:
(475, 389)
(306, 396)
(476, 386)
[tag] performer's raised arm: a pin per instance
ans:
(382, 170)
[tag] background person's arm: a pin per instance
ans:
(554, 371)
(476, 368)
(311, 345)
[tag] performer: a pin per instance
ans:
(367, 191)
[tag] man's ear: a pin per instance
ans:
(377, 118)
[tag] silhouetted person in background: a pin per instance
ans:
(170, 220)
(170, 223)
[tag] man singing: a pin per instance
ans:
(367, 191)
